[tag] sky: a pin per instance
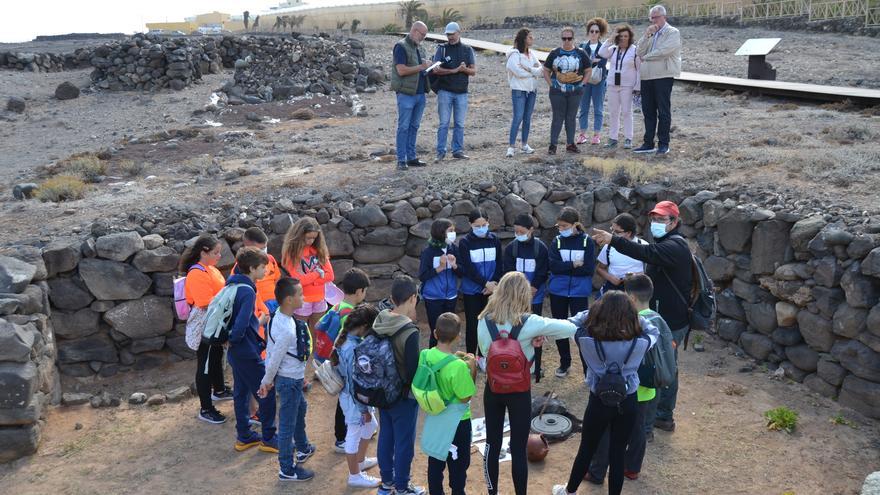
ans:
(23, 20)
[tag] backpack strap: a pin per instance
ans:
(514, 332)
(632, 347)
(439, 365)
(493, 329)
(600, 352)
(197, 266)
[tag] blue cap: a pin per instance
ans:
(452, 27)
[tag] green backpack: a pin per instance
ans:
(424, 386)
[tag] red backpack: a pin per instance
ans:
(508, 369)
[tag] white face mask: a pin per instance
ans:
(450, 237)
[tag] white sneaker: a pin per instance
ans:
(369, 463)
(510, 152)
(527, 149)
(559, 490)
(363, 480)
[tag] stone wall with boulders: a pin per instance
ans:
(798, 291)
(266, 67)
(28, 378)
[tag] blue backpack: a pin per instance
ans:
(303, 339)
(327, 330)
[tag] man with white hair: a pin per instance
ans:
(660, 51)
(408, 80)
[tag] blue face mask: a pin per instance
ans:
(658, 230)
(481, 231)
(522, 238)
(566, 232)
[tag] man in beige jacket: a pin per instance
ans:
(660, 51)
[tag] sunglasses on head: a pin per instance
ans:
(567, 38)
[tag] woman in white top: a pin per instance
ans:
(523, 72)
(612, 265)
(623, 82)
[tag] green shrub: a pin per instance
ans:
(390, 29)
(88, 167)
(781, 418)
(62, 188)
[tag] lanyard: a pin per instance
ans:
(657, 35)
(618, 63)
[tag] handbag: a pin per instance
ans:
(329, 378)
(595, 76)
(195, 326)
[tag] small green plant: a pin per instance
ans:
(781, 418)
(354, 25)
(88, 167)
(698, 338)
(839, 420)
(390, 28)
(62, 188)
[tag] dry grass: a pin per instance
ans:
(86, 166)
(735, 389)
(131, 168)
(62, 188)
(780, 107)
(195, 165)
(637, 170)
(847, 134)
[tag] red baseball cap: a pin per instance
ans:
(667, 208)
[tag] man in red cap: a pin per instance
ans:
(669, 266)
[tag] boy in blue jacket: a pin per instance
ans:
(572, 262)
(245, 347)
(480, 262)
(438, 272)
(528, 255)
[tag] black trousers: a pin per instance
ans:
(562, 307)
(598, 418)
(518, 407)
(213, 379)
(457, 467)
(635, 449)
(564, 108)
(538, 309)
(339, 428)
(434, 308)
(657, 109)
(473, 305)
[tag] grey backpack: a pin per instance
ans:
(658, 368)
(375, 374)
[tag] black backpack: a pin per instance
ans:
(303, 339)
(702, 305)
(611, 388)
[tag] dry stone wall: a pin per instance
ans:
(794, 291)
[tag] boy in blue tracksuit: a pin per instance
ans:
(438, 272)
(480, 263)
(528, 255)
(572, 257)
(245, 347)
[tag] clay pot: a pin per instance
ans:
(537, 447)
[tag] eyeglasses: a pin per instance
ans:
(567, 38)
(617, 232)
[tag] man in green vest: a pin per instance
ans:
(408, 80)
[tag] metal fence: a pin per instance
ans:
(744, 10)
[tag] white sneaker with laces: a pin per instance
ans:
(559, 490)
(363, 480)
(510, 152)
(369, 462)
(527, 149)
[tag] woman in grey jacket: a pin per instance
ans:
(615, 343)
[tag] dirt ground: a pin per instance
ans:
(772, 146)
(721, 444)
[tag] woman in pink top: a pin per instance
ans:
(623, 82)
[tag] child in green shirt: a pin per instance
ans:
(455, 383)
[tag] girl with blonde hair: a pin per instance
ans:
(305, 257)
(508, 315)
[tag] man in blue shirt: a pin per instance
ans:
(457, 67)
(408, 80)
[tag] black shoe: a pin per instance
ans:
(589, 478)
(212, 416)
(458, 155)
(665, 425)
(551, 150)
(662, 150)
(572, 148)
(645, 148)
(649, 437)
(416, 163)
(402, 166)
(225, 394)
(561, 372)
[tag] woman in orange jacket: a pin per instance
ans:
(305, 257)
(203, 282)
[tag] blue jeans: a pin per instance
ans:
(409, 116)
(523, 106)
(668, 395)
(291, 420)
(246, 376)
(453, 105)
(397, 439)
(595, 94)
